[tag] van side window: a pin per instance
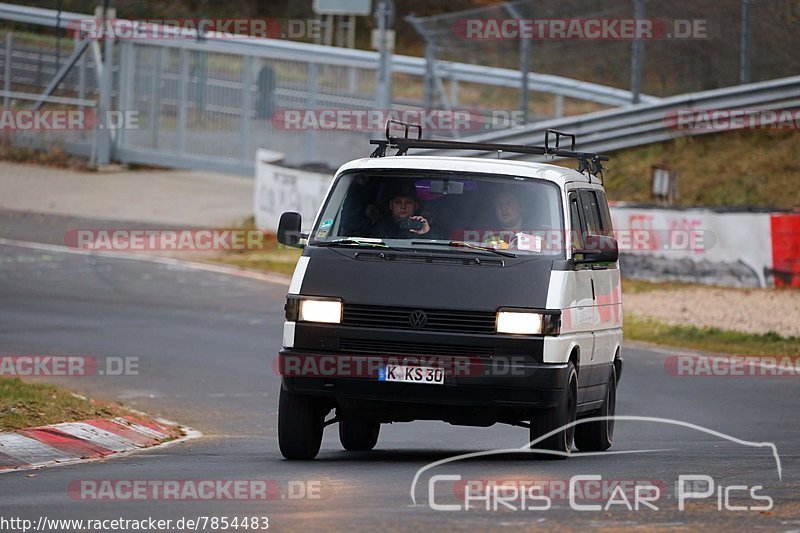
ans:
(591, 212)
(575, 222)
(605, 214)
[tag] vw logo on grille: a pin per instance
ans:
(418, 319)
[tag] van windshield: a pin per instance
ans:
(521, 215)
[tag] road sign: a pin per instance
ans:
(342, 7)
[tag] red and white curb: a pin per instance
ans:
(72, 442)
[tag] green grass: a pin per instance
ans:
(709, 339)
(24, 405)
(759, 168)
(281, 261)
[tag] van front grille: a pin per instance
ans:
(377, 347)
(374, 316)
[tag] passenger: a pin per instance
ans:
(358, 214)
(403, 205)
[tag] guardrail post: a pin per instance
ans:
(245, 153)
(183, 96)
(7, 69)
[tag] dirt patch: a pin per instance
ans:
(745, 310)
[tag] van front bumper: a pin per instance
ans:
(499, 381)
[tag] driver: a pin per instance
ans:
(403, 205)
(510, 217)
(509, 212)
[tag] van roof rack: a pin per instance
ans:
(587, 161)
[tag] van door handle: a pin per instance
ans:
(593, 296)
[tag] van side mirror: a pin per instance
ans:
(597, 249)
(289, 229)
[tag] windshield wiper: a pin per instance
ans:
(349, 241)
(462, 244)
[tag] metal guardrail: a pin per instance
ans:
(642, 124)
(345, 57)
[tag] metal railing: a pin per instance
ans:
(642, 124)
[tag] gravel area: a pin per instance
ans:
(746, 310)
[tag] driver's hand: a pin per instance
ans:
(425, 228)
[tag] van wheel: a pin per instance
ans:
(358, 435)
(299, 426)
(597, 436)
(546, 420)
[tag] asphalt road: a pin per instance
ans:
(205, 344)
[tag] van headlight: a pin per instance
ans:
(522, 322)
(324, 310)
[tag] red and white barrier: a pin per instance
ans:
(756, 249)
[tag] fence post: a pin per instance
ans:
(524, 63)
(81, 73)
(127, 87)
(245, 152)
(311, 89)
(7, 69)
(747, 39)
(637, 55)
(155, 95)
(183, 96)
(104, 135)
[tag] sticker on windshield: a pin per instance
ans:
(326, 224)
(322, 233)
(532, 243)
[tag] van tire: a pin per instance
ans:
(597, 436)
(300, 424)
(358, 435)
(546, 420)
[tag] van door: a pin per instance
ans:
(581, 315)
(605, 290)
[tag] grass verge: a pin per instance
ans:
(709, 339)
(279, 260)
(24, 405)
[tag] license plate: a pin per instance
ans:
(412, 374)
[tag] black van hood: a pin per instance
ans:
(521, 282)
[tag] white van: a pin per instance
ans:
(467, 290)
